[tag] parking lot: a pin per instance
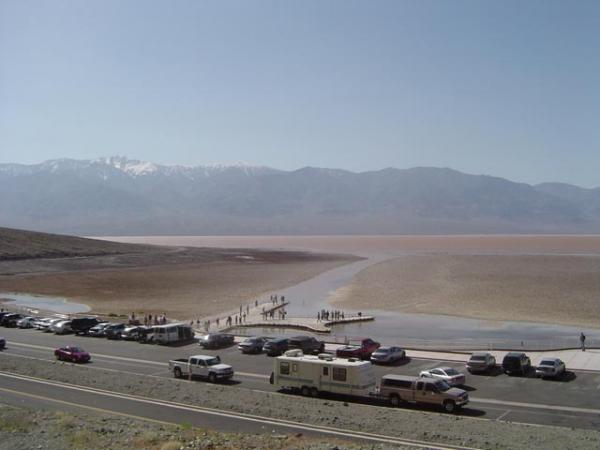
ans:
(570, 401)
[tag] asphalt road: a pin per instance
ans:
(571, 402)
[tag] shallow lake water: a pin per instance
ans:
(54, 304)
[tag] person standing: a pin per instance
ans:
(582, 340)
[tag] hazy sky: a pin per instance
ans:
(509, 88)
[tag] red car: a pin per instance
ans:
(73, 354)
(360, 349)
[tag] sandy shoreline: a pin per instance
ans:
(195, 284)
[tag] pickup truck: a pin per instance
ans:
(399, 388)
(209, 367)
(361, 349)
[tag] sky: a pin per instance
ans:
(506, 88)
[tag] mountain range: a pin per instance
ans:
(119, 196)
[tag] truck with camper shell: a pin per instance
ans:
(397, 389)
(209, 367)
(313, 374)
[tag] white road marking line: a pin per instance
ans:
(232, 415)
(503, 415)
(535, 405)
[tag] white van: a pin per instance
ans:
(172, 333)
(322, 373)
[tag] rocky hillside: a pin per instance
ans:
(20, 244)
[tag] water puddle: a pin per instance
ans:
(55, 304)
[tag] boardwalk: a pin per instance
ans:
(272, 314)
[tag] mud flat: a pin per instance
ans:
(182, 282)
(557, 289)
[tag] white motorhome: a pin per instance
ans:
(322, 373)
(172, 333)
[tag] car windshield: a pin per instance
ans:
(75, 349)
(451, 372)
(442, 386)
(478, 358)
(213, 361)
(383, 350)
(547, 363)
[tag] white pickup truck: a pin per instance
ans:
(209, 367)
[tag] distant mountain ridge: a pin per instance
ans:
(119, 196)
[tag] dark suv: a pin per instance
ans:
(10, 320)
(82, 325)
(276, 347)
(516, 363)
(307, 344)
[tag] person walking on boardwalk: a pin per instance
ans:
(582, 340)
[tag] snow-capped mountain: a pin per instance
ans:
(116, 195)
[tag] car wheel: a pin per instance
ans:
(394, 400)
(58, 357)
(449, 406)
(212, 377)
(305, 391)
(177, 372)
(314, 392)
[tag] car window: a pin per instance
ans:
(451, 372)
(326, 371)
(284, 368)
(430, 387)
(212, 361)
(442, 386)
(436, 372)
(193, 361)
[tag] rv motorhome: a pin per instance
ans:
(172, 333)
(323, 373)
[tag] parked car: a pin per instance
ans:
(216, 340)
(209, 367)
(252, 345)
(98, 330)
(387, 355)
(481, 362)
(113, 330)
(47, 326)
(550, 368)
(2, 343)
(41, 322)
(10, 320)
(448, 374)
(73, 354)
(399, 388)
(61, 327)
(82, 325)
(2, 314)
(131, 332)
(516, 363)
(276, 347)
(26, 322)
(307, 344)
(361, 349)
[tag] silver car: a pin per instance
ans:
(550, 368)
(451, 376)
(387, 355)
(26, 322)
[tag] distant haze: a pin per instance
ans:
(508, 88)
(118, 196)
